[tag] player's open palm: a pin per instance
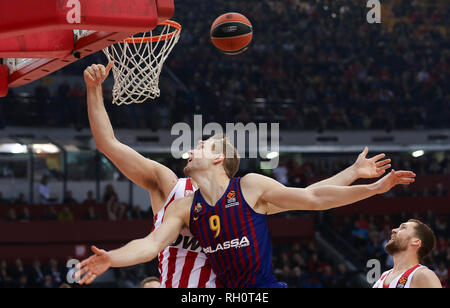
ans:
(371, 167)
(93, 266)
(395, 178)
(95, 74)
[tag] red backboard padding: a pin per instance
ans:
(51, 44)
(4, 71)
(19, 17)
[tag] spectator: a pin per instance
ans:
(65, 215)
(25, 216)
(44, 191)
(23, 282)
(90, 199)
(90, 214)
(50, 213)
(115, 209)
(48, 282)
(21, 200)
(36, 274)
(5, 278)
(55, 272)
(151, 282)
(2, 201)
(11, 215)
(68, 198)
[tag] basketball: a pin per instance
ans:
(231, 33)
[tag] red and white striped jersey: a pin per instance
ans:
(183, 264)
(401, 281)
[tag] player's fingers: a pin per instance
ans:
(378, 157)
(97, 71)
(83, 279)
(96, 250)
(91, 278)
(90, 73)
(103, 70)
(81, 272)
(380, 171)
(403, 174)
(406, 181)
(384, 168)
(109, 66)
(85, 262)
(382, 162)
(364, 152)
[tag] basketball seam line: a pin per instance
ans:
(231, 37)
(238, 22)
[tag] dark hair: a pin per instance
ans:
(149, 279)
(426, 236)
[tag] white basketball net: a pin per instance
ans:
(138, 63)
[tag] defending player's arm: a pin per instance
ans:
(144, 172)
(363, 168)
(140, 250)
(425, 278)
(268, 191)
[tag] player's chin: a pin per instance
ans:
(187, 170)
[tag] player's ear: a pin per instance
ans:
(218, 158)
(416, 242)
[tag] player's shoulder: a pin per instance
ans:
(254, 179)
(181, 203)
(425, 278)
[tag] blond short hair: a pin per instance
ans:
(232, 159)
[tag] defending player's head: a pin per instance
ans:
(214, 153)
(411, 236)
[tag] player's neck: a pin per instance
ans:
(404, 261)
(212, 186)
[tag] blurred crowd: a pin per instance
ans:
(313, 65)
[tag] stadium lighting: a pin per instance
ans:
(418, 153)
(272, 155)
(47, 148)
(14, 148)
(185, 155)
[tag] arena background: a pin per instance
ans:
(334, 82)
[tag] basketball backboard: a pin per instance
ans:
(38, 38)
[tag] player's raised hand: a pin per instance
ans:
(93, 266)
(394, 178)
(371, 167)
(95, 74)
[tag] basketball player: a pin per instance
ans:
(177, 217)
(409, 244)
(183, 264)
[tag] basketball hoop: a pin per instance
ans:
(138, 61)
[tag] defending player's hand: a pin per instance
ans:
(95, 74)
(394, 178)
(371, 167)
(93, 266)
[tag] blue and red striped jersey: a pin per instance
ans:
(235, 239)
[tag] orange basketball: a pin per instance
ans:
(231, 33)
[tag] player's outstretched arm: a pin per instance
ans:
(266, 190)
(140, 250)
(425, 278)
(144, 172)
(362, 168)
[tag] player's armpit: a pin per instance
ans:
(425, 278)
